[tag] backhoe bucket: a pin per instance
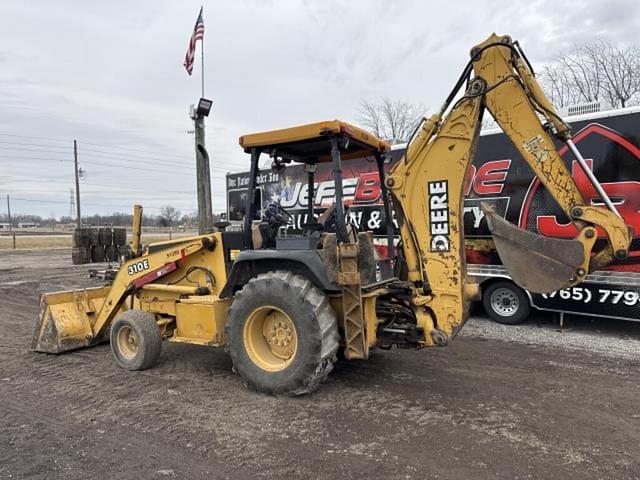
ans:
(535, 262)
(66, 320)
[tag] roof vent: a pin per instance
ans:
(584, 108)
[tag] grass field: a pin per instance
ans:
(38, 242)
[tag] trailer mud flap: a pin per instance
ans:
(537, 263)
(66, 319)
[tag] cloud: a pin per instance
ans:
(110, 73)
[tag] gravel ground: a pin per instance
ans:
(527, 402)
(610, 338)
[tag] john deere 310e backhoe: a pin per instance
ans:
(284, 306)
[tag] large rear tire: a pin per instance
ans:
(136, 341)
(119, 236)
(80, 255)
(81, 238)
(105, 236)
(111, 253)
(97, 254)
(94, 236)
(282, 334)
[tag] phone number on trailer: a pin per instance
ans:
(603, 295)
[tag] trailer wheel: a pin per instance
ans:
(282, 334)
(136, 341)
(506, 303)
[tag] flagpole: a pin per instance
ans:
(202, 57)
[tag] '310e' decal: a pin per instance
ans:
(138, 267)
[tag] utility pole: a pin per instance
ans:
(203, 172)
(72, 202)
(13, 235)
(75, 163)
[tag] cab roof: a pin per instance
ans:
(310, 143)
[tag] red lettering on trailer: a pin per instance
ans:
(489, 179)
(368, 188)
(625, 195)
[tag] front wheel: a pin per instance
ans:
(506, 303)
(282, 334)
(136, 341)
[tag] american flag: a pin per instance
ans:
(198, 34)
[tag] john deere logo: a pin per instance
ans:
(439, 216)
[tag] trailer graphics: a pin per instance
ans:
(498, 176)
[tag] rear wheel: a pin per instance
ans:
(136, 341)
(506, 303)
(282, 334)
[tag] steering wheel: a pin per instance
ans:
(276, 213)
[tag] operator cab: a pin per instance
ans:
(312, 144)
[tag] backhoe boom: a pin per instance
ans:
(427, 189)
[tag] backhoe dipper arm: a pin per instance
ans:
(427, 190)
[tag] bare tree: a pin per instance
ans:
(558, 86)
(621, 69)
(168, 215)
(391, 119)
(594, 71)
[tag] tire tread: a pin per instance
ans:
(329, 338)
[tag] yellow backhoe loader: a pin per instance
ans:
(284, 305)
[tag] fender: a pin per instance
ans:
(250, 263)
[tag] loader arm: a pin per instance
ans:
(75, 319)
(426, 186)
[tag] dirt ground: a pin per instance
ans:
(480, 408)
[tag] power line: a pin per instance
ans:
(104, 163)
(129, 167)
(22, 149)
(101, 154)
(119, 147)
(132, 149)
(63, 160)
(36, 158)
(148, 160)
(102, 193)
(95, 157)
(38, 138)
(56, 202)
(154, 153)
(122, 186)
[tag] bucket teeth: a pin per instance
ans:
(537, 263)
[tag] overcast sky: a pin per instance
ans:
(110, 75)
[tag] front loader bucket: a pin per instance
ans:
(535, 262)
(66, 320)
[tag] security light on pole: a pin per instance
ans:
(204, 107)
